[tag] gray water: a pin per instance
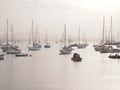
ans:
(47, 70)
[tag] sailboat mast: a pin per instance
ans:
(103, 29)
(65, 35)
(11, 33)
(46, 36)
(79, 34)
(109, 36)
(36, 32)
(83, 37)
(111, 30)
(39, 37)
(7, 32)
(30, 37)
(105, 34)
(118, 37)
(32, 31)
(14, 37)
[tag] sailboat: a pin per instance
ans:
(101, 45)
(81, 46)
(13, 41)
(118, 43)
(36, 41)
(109, 48)
(39, 42)
(9, 48)
(34, 46)
(47, 45)
(5, 47)
(13, 49)
(65, 49)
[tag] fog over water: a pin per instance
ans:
(51, 15)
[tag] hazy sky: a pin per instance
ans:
(51, 15)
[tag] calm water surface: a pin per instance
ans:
(47, 70)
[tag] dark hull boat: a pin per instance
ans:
(116, 56)
(76, 57)
(21, 55)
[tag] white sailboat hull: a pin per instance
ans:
(33, 48)
(13, 52)
(65, 50)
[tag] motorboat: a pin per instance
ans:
(116, 56)
(76, 57)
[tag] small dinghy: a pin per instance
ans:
(1, 56)
(21, 55)
(76, 57)
(116, 56)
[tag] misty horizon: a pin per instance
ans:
(52, 15)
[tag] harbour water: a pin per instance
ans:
(47, 70)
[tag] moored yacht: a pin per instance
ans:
(35, 46)
(65, 49)
(47, 44)
(13, 50)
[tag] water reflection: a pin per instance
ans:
(47, 70)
